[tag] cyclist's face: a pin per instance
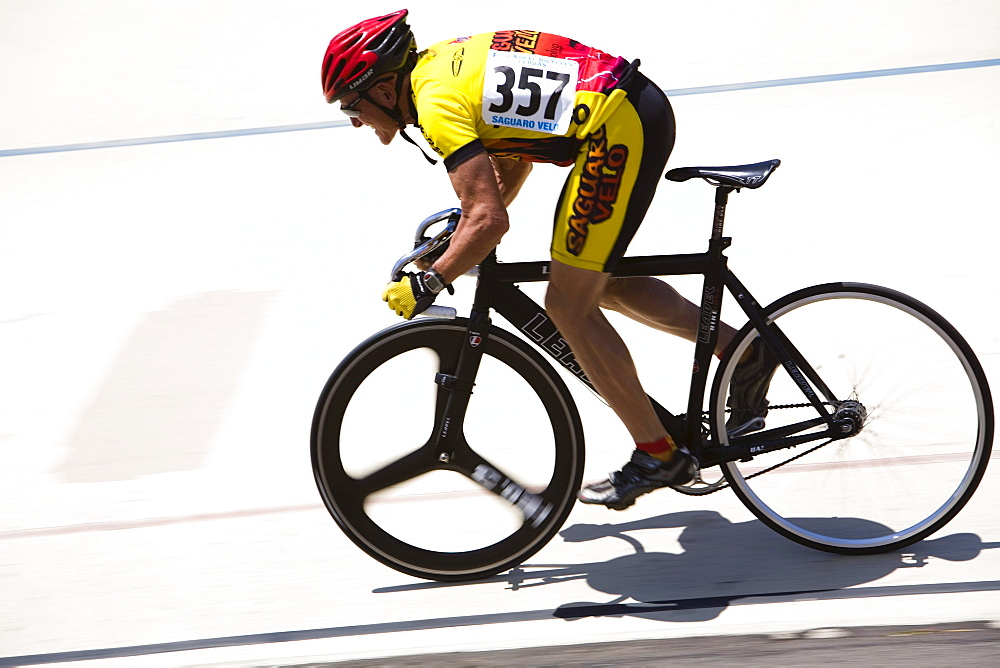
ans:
(363, 109)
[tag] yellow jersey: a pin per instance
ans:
(518, 94)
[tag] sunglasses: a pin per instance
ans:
(350, 110)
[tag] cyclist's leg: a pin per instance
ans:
(657, 304)
(646, 299)
(605, 198)
(603, 202)
(572, 303)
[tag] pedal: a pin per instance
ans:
(750, 426)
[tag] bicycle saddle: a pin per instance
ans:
(740, 176)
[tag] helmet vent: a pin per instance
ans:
(338, 67)
(358, 69)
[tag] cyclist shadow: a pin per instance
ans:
(722, 564)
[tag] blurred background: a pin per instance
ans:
(191, 240)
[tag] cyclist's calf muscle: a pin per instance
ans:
(657, 304)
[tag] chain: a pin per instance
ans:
(806, 405)
(790, 459)
(779, 464)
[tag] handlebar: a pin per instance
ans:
(424, 245)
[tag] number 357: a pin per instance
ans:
(525, 83)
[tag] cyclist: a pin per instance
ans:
(492, 104)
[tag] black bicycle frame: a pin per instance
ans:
(497, 290)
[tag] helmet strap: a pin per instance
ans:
(406, 137)
(400, 78)
(397, 115)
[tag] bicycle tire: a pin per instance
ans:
(391, 534)
(927, 434)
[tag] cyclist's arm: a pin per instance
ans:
(510, 176)
(484, 216)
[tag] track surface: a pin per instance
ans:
(176, 298)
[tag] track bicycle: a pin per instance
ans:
(879, 429)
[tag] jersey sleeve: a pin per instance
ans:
(447, 119)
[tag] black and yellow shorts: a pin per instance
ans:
(613, 180)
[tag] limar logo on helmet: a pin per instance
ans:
(360, 80)
(456, 61)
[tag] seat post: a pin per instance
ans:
(721, 199)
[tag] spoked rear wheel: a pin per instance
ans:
(927, 425)
(510, 485)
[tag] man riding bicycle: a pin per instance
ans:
(492, 104)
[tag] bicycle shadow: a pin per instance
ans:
(722, 564)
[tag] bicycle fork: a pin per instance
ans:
(451, 450)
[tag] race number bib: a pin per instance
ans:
(523, 90)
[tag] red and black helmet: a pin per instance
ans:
(366, 51)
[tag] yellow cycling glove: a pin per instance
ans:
(413, 293)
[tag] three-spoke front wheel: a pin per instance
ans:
(497, 499)
(926, 432)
